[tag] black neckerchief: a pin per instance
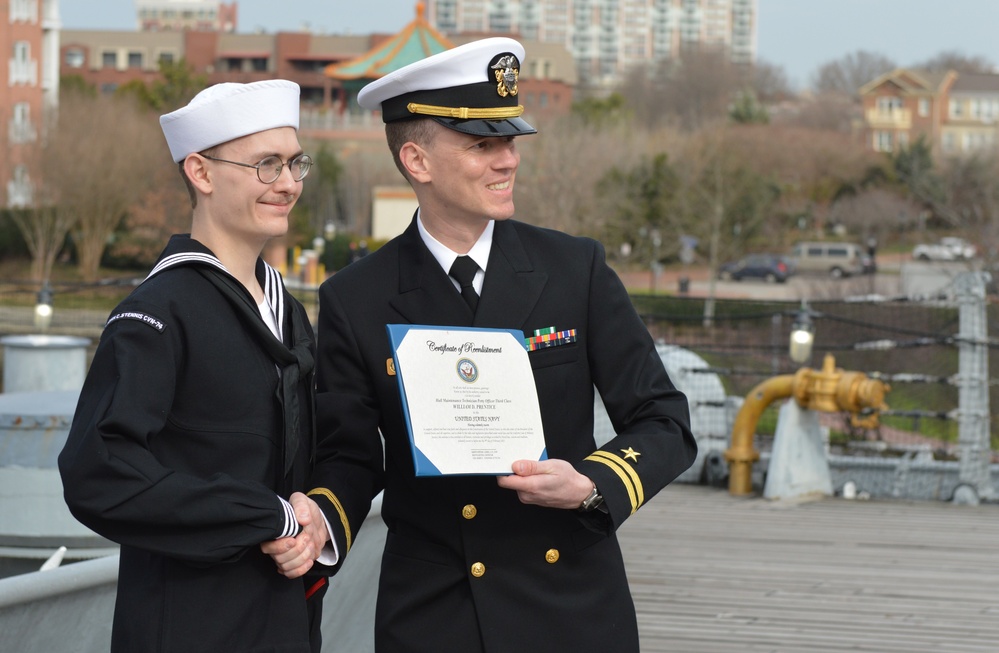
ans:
(296, 363)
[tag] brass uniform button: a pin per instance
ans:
(551, 555)
(478, 570)
(469, 512)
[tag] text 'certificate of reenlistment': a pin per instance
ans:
(469, 397)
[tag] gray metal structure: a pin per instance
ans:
(973, 389)
(38, 363)
(70, 609)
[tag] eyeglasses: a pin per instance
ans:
(269, 169)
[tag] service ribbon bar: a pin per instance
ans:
(545, 338)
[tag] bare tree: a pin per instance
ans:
(642, 90)
(102, 160)
(769, 81)
(729, 195)
(319, 193)
(560, 169)
(973, 188)
(641, 211)
(43, 228)
(700, 89)
(162, 210)
(953, 60)
(874, 212)
(691, 91)
(847, 74)
(812, 168)
(833, 112)
(44, 231)
(364, 167)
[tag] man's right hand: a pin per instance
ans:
(295, 556)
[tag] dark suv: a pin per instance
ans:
(772, 268)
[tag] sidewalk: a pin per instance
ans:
(885, 282)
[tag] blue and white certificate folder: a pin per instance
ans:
(469, 398)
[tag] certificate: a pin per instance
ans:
(469, 398)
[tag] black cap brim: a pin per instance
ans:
(484, 127)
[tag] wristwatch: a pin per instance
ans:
(593, 500)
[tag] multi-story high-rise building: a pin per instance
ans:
(179, 15)
(29, 92)
(607, 37)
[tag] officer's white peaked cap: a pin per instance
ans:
(472, 88)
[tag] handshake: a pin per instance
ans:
(294, 556)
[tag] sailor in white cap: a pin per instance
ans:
(191, 443)
(528, 561)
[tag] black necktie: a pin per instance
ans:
(463, 271)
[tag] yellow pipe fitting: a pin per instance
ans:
(827, 390)
(742, 454)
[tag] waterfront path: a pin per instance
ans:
(712, 573)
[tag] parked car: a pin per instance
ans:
(835, 259)
(772, 268)
(948, 249)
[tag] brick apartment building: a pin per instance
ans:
(957, 113)
(29, 33)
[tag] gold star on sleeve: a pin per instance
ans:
(631, 453)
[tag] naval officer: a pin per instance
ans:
(529, 561)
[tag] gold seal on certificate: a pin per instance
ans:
(469, 398)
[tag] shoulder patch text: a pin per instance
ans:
(145, 318)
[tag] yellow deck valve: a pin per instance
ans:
(828, 390)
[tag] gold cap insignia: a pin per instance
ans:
(507, 72)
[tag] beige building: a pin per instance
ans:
(392, 210)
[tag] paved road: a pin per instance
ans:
(897, 275)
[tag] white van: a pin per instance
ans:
(835, 259)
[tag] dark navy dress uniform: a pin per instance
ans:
(467, 567)
(184, 437)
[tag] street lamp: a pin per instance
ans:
(43, 308)
(802, 336)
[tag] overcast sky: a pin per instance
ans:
(797, 35)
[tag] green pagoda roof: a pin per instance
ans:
(417, 40)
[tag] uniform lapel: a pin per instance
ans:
(426, 295)
(511, 290)
(513, 284)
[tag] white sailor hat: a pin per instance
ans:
(471, 88)
(227, 111)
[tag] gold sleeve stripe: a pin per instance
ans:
(321, 491)
(624, 479)
(626, 472)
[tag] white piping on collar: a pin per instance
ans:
(273, 283)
